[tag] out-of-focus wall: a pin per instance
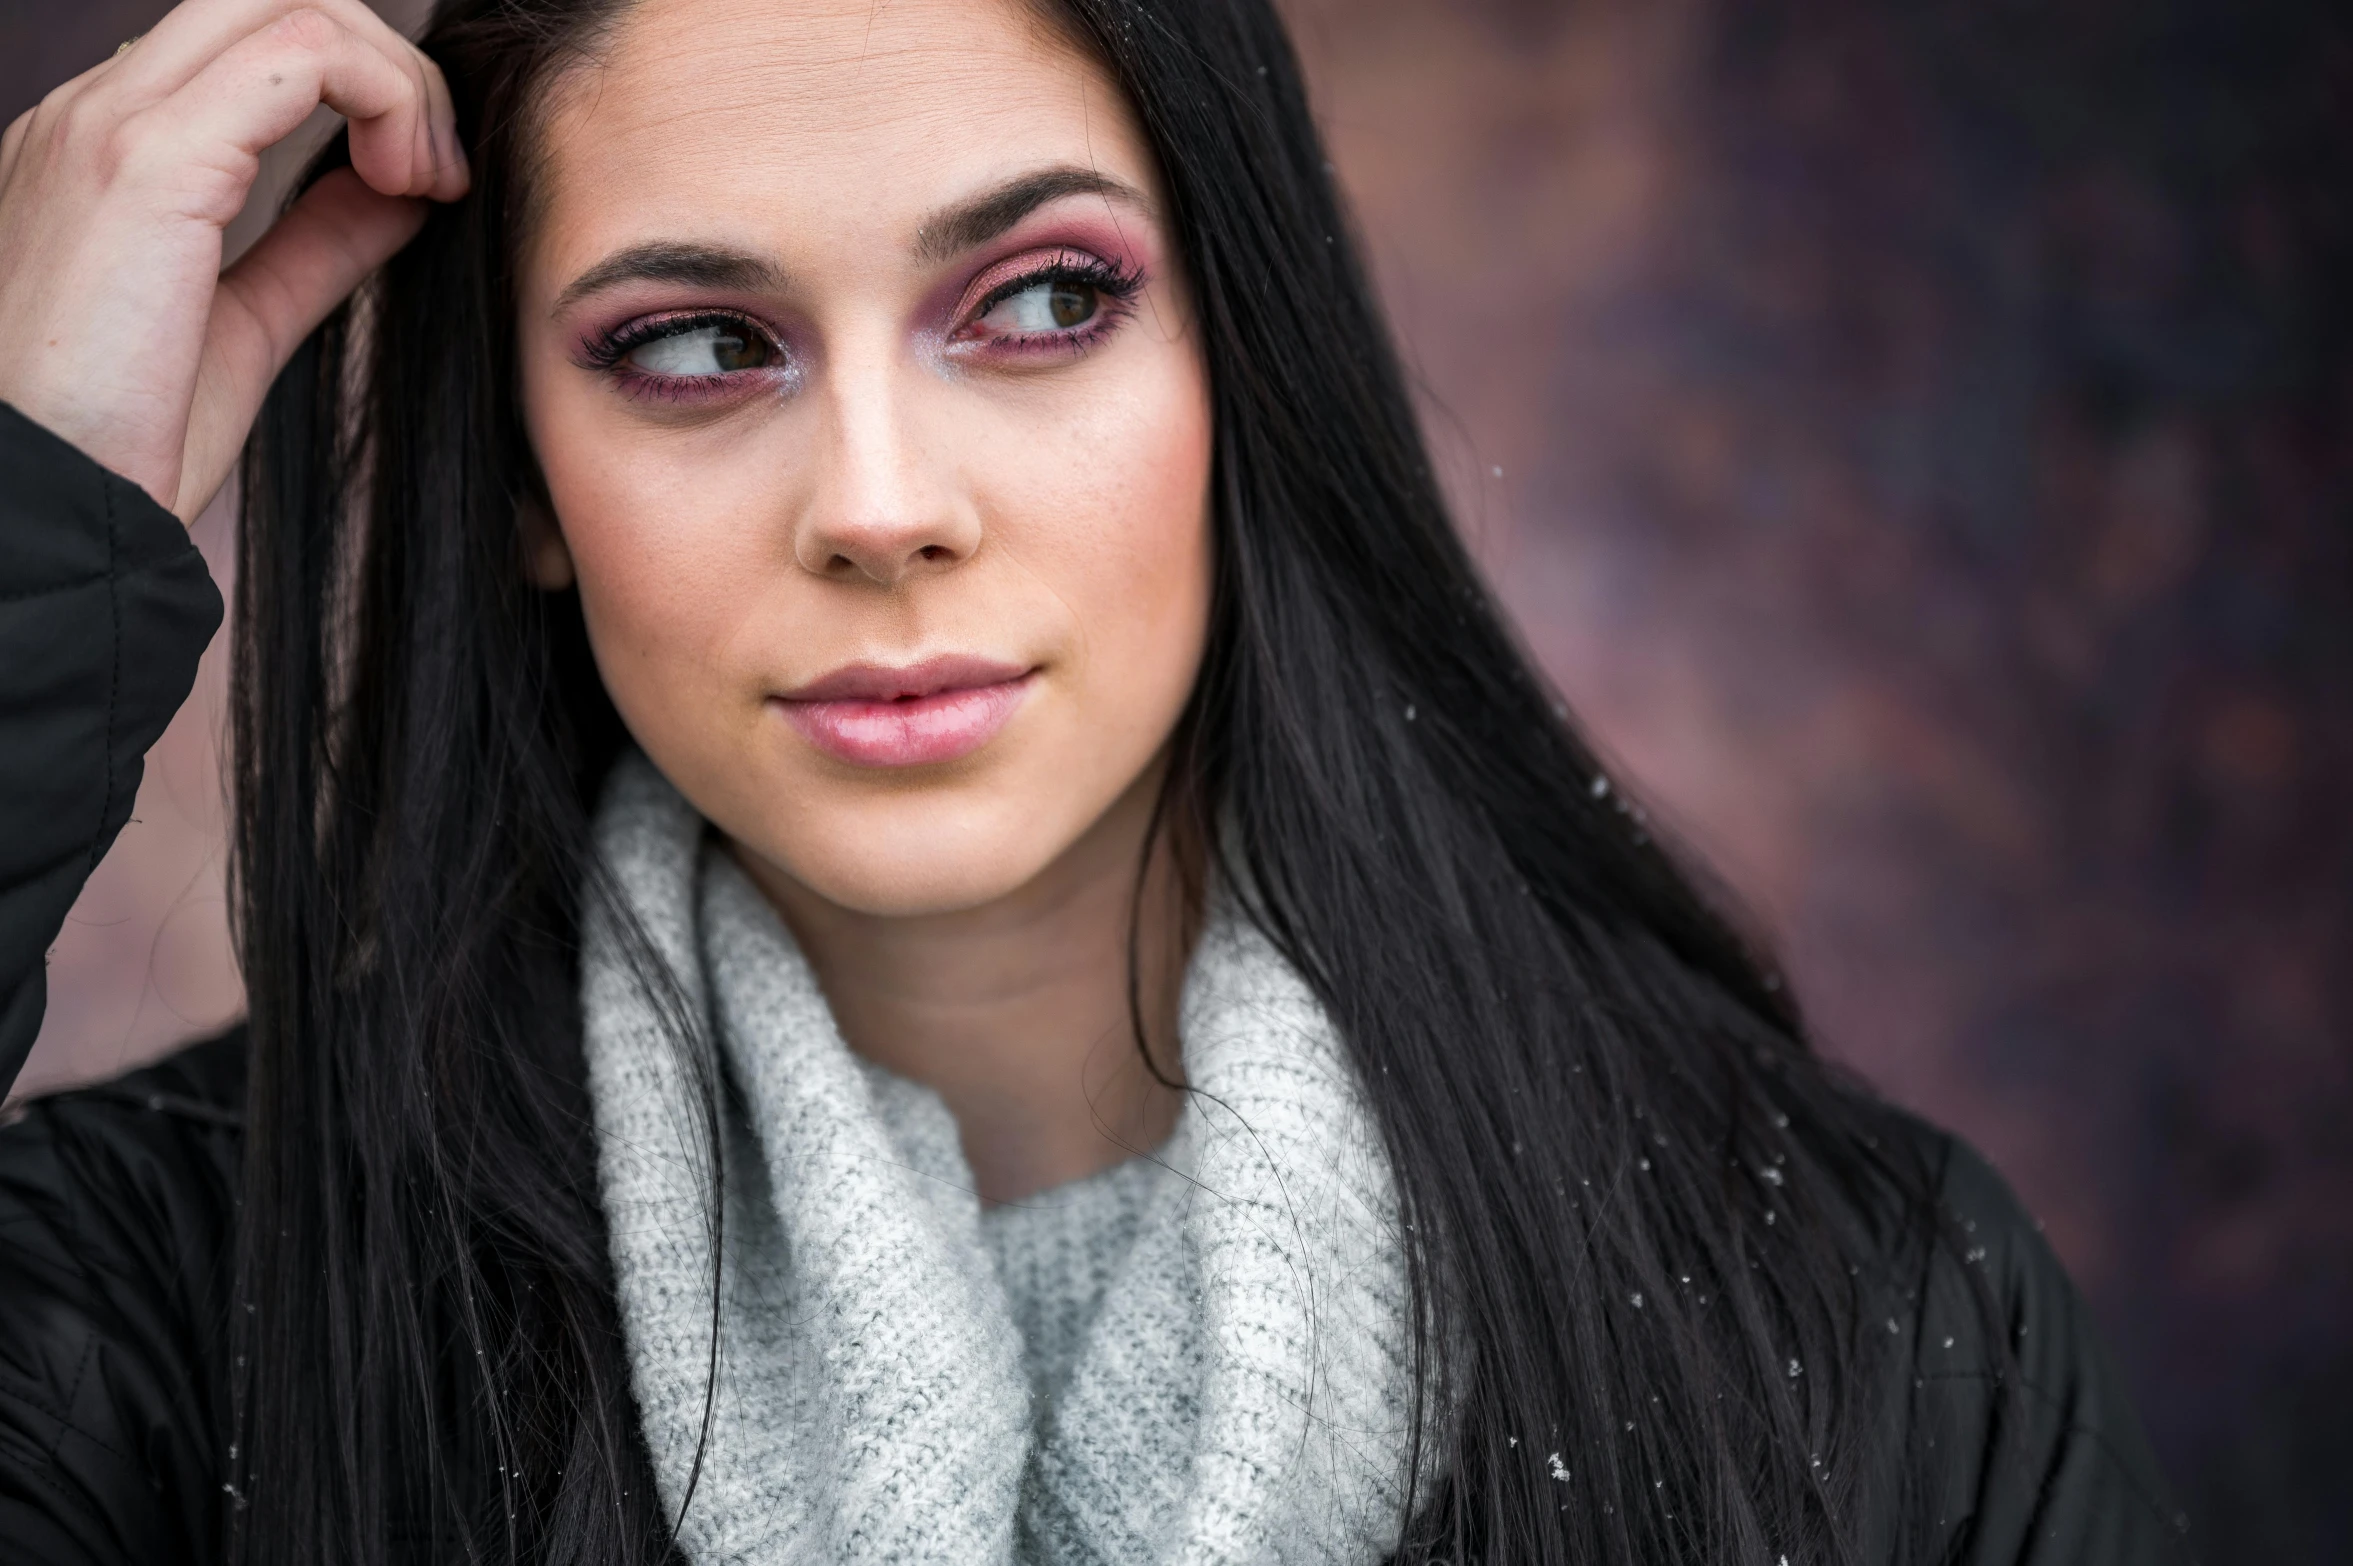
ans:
(1918, 438)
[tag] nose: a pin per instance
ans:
(884, 508)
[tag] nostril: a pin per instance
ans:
(932, 551)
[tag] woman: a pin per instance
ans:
(901, 899)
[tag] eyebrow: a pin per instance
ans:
(954, 230)
(946, 233)
(699, 266)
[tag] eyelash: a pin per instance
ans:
(615, 344)
(1117, 285)
(610, 349)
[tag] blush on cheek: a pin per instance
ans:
(1152, 566)
(664, 583)
(664, 528)
(1165, 482)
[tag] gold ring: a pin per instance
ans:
(124, 47)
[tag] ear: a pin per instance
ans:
(547, 562)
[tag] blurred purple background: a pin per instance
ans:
(1918, 437)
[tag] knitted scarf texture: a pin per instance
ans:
(1227, 1385)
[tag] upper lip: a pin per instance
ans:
(880, 682)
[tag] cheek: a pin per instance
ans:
(1128, 551)
(1096, 560)
(665, 558)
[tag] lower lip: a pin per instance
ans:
(917, 732)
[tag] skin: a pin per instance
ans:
(117, 329)
(923, 466)
(899, 495)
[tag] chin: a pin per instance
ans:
(913, 855)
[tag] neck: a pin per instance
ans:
(1016, 1012)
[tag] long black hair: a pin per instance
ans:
(1642, 1217)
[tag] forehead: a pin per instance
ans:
(792, 122)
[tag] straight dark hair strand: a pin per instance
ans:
(1643, 1219)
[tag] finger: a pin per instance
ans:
(12, 141)
(452, 174)
(309, 262)
(54, 103)
(197, 33)
(261, 89)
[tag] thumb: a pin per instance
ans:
(308, 263)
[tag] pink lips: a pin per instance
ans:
(934, 711)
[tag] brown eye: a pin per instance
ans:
(1072, 304)
(705, 349)
(739, 351)
(1045, 307)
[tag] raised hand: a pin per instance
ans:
(118, 329)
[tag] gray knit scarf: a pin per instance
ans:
(1237, 1396)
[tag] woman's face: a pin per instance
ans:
(877, 435)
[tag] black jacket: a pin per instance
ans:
(118, 1203)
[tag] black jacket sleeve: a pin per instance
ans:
(2023, 1438)
(105, 606)
(116, 1210)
